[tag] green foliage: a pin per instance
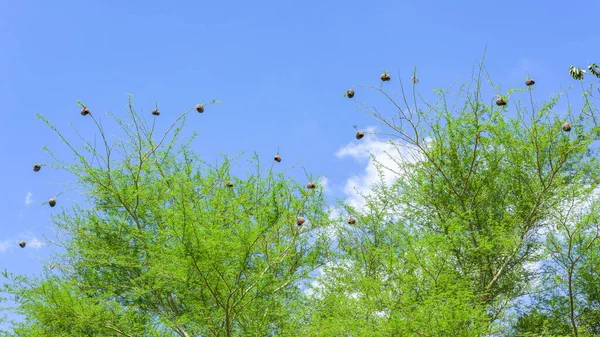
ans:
(447, 249)
(578, 73)
(163, 247)
(552, 323)
(569, 303)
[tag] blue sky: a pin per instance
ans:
(278, 67)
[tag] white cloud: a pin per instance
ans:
(373, 151)
(28, 199)
(369, 151)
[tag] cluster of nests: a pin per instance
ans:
(385, 77)
(200, 108)
(51, 201)
(500, 101)
(300, 220)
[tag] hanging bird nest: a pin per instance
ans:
(529, 82)
(277, 158)
(500, 101)
(351, 220)
(229, 183)
(360, 134)
(200, 108)
(37, 167)
(300, 221)
(566, 127)
(85, 111)
(311, 186)
(385, 77)
(52, 202)
(155, 112)
(22, 244)
(350, 93)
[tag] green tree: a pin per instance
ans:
(569, 301)
(166, 244)
(589, 287)
(448, 247)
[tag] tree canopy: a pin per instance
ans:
(489, 228)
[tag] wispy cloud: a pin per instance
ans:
(369, 152)
(373, 151)
(28, 199)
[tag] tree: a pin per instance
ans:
(483, 192)
(448, 247)
(570, 299)
(168, 245)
